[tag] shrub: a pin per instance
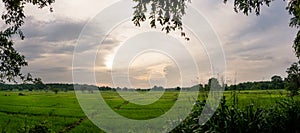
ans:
(55, 90)
(43, 127)
(21, 94)
(40, 128)
(284, 116)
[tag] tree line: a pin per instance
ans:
(276, 82)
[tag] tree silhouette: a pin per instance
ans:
(213, 84)
(169, 13)
(293, 79)
(277, 82)
(11, 60)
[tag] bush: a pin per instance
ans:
(284, 116)
(55, 90)
(21, 94)
(42, 127)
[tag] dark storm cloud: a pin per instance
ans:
(35, 48)
(53, 31)
(54, 37)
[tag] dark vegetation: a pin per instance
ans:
(276, 82)
(283, 116)
(232, 115)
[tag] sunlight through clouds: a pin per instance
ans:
(245, 39)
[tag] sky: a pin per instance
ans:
(253, 47)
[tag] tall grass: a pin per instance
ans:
(283, 116)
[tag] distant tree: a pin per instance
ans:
(19, 88)
(293, 79)
(39, 84)
(118, 88)
(226, 87)
(82, 88)
(47, 88)
(206, 87)
(214, 84)
(277, 82)
(27, 86)
(90, 89)
(55, 90)
(276, 78)
(157, 88)
(125, 89)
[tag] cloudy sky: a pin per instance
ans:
(254, 47)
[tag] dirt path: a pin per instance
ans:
(73, 125)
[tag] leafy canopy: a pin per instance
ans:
(169, 13)
(11, 60)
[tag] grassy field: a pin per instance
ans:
(62, 113)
